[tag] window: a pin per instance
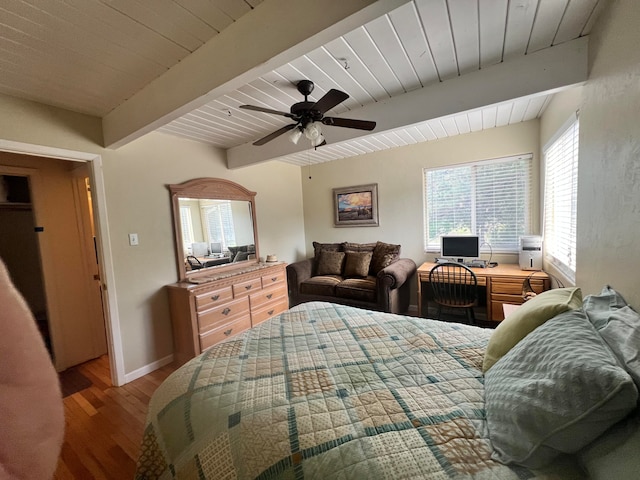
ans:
(186, 226)
(218, 224)
(489, 198)
(560, 198)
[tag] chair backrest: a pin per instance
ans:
(453, 285)
(194, 263)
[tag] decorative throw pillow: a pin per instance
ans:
(555, 392)
(357, 264)
(528, 317)
(384, 254)
(330, 263)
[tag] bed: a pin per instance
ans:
(330, 391)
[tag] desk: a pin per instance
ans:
(503, 285)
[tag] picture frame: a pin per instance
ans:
(356, 206)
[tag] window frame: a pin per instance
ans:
(484, 247)
(568, 270)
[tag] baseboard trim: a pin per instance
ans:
(142, 371)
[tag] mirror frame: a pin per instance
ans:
(214, 189)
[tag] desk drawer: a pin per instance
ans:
(514, 286)
(206, 300)
(247, 287)
(223, 314)
(216, 336)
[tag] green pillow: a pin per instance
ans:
(527, 318)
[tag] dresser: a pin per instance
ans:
(207, 310)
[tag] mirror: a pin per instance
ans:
(215, 226)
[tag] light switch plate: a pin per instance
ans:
(133, 239)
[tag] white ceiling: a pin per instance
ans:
(109, 58)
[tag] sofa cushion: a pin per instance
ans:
(357, 264)
(357, 289)
(330, 263)
(359, 247)
(320, 247)
(384, 254)
(320, 285)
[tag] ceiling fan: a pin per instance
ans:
(309, 115)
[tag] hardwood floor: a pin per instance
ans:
(104, 424)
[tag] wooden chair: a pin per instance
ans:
(454, 286)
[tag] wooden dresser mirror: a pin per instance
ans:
(214, 222)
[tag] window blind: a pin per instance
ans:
(218, 221)
(490, 199)
(560, 200)
(187, 226)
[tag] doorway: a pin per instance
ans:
(50, 252)
(94, 161)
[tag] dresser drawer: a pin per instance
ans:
(273, 279)
(204, 301)
(223, 314)
(267, 295)
(229, 330)
(245, 288)
(268, 311)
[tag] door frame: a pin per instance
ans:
(98, 195)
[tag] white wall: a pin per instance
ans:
(398, 173)
(609, 168)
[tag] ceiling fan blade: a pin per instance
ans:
(330, 99)
(349, 123)
(266, 110)
(275, 134)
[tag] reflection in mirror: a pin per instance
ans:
(212, 228)
(215, 225)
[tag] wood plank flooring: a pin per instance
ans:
(104, 424)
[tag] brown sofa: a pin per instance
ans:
(369, 275)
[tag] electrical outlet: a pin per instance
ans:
(133, 239)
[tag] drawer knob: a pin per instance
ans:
(270, 312)
(226, 311)
(248, 287)
(270, 295)
(215, 297)
(273, 279)
(228, 332)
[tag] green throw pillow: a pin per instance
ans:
(527, 318)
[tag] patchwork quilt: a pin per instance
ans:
(327, 391)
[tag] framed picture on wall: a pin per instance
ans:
(356, 206)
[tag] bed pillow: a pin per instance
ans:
(555, 392)
(330, 263)
(357, 264)
(599, 307)
(528, 317)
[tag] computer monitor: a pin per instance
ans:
(216, 247)
(199, 249)
(460, 248)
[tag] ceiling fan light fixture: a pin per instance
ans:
(294, 135)
(313, 131)
(317, 141)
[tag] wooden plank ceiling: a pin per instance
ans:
(94, 56)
